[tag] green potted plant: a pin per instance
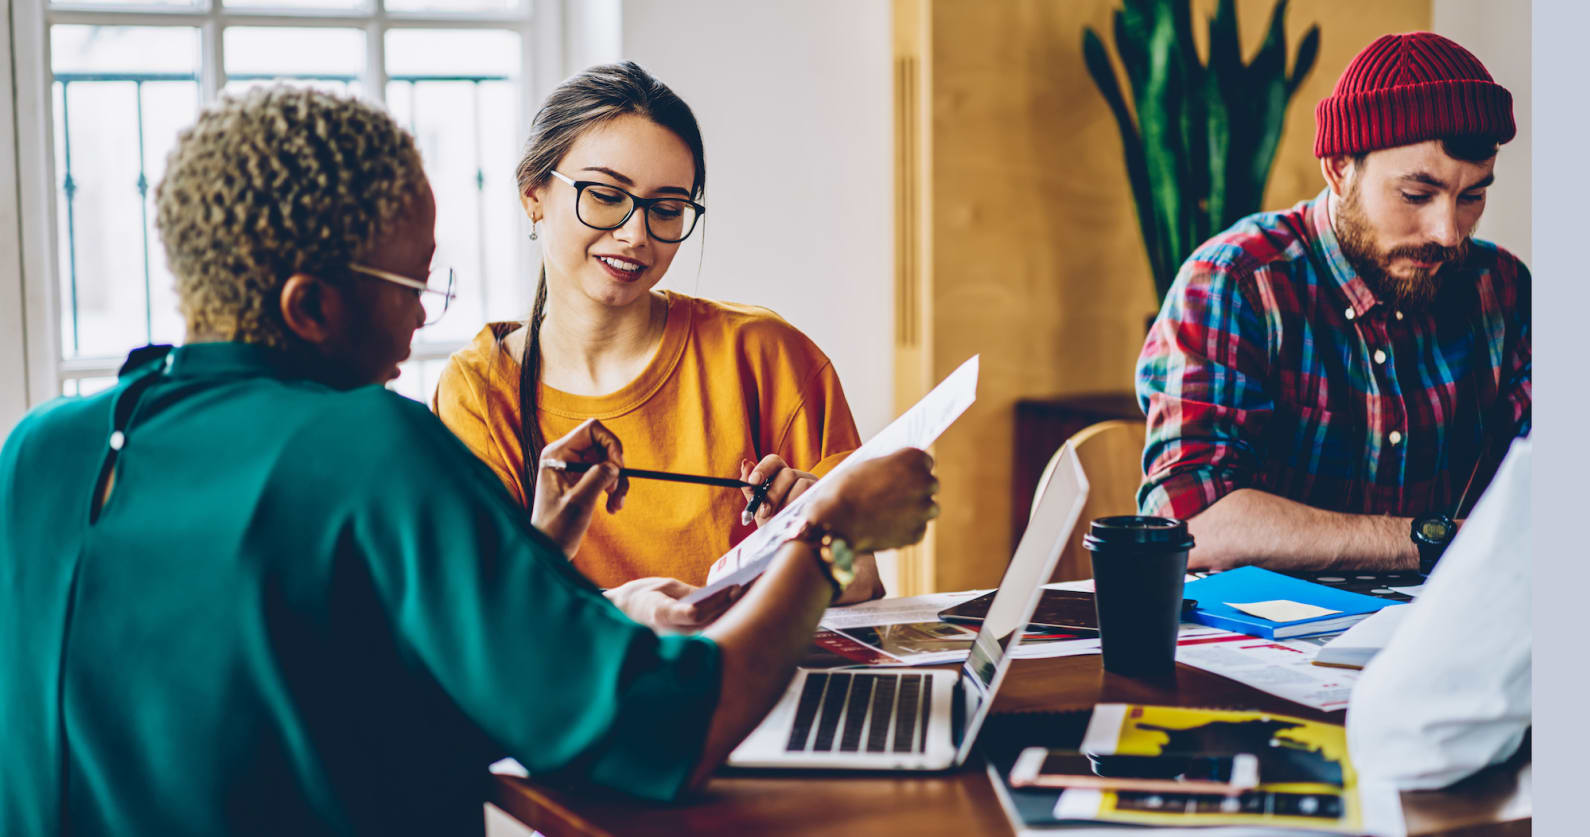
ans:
(1200, 148)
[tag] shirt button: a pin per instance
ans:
(1350, 313)
(117, 439)
(1380, 355)
(1395, 437)
(1399, 314)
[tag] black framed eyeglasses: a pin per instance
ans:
(602, 206)
(433, 294)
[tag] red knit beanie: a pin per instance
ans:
(1410, 88)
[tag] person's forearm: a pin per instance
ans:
(760, 640)
(1249, 526)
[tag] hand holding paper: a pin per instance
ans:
(917, 428)
(882, 504)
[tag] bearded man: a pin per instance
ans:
(1329, 386)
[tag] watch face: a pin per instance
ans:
(1435, 529)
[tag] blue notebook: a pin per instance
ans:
(1252, 584)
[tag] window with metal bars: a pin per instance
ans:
(125, 77)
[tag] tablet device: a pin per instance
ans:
(1059, 611)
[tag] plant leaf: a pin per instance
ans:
(1225, 43)
(1227, 108)
(1098, 64)
(1159, 118)
(1307, 53)
(1272, 101)
(1194, 126)
(1129, 46)
(1270, 62)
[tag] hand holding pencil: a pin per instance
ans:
(775, 483)
(768, 485)
(565, 498)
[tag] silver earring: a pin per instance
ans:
(532, 231)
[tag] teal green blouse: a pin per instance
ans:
(301, 611)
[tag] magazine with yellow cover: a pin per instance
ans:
(1306, 780)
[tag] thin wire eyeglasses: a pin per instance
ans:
(603, 206)
(435, 300)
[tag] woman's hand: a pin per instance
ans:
(564, 501)
(883, 503)
(655, 602)
(787, 484)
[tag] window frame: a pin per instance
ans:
(45, 369)
(13, 346)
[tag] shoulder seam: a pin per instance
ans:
(800, 404)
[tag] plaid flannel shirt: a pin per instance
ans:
(1272, 366)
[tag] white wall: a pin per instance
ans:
(1498, 33)
(592, 34)
(794, 101)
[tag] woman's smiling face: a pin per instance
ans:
(619, 266)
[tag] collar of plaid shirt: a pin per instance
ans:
(1352, 286)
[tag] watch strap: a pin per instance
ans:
(834, 556)
(1430, 550)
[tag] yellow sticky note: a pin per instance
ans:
(1282, 610)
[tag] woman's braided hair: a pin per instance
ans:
(594, 97)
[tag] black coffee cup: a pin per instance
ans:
(1139, 565)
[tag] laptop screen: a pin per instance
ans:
(1047, 532)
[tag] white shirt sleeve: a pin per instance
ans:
(1450, 693)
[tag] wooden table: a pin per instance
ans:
(962, 802)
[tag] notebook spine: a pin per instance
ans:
(1234, 625)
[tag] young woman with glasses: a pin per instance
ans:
(612, 181)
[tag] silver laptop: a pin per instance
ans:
(904, 719)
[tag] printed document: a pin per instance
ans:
(1283, 668)
(917, 428)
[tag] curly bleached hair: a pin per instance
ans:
(276, 181)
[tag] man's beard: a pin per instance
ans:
(1414, 291)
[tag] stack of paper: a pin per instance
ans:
(1256, 601)
(1360, 644)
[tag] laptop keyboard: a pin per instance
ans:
(873, 713)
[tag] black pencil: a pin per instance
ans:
(641, 473)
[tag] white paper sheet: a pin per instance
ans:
(918, 427)
(1283, 668)
(1189, 635)
(509, 767)
(1282, 610)
(896, 611)
(1364, 640)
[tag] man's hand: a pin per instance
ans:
(655, 602)
(787, 484)
(565, 501)
(883, 503)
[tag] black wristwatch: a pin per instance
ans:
(1431, 533)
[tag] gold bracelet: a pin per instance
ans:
(834, 555)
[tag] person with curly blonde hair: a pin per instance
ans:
(236, 583)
